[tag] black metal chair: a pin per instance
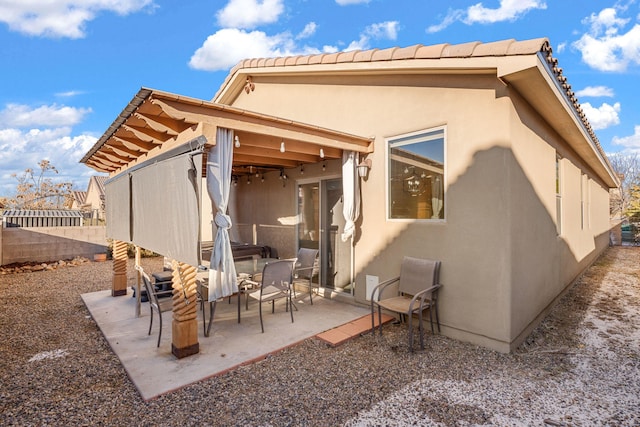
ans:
(158, 301)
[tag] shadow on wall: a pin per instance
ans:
(45, 244)
(503, 264)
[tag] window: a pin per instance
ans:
(584, 202)
(558, 194)
(416, 175)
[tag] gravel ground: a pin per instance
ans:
(580, 367)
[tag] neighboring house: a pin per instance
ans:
(95, 196)
(480, 156)
(79, 200)
(92, 200)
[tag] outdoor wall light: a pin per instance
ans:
(363, 168)
(237, 144)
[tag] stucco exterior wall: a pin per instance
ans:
(502, 260)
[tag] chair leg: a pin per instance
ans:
(380, 319)
(160, 331)
(435, 306)
(411, 333)
(421, 328)
(260, 310)
(291, 303)
(212, 310)
(310, 292)
(431, 319)
(151, 321)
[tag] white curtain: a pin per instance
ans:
(436, 196)
(351, 190)
(222, 271)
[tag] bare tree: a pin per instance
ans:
(627, 166)
(36, 190)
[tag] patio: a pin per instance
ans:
(155, 371)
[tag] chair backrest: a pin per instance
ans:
(277, 272)
(417, 274)
(306, 262)
(150, 288)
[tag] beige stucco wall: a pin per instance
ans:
(502, 261)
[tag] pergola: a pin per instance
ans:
(157, 126)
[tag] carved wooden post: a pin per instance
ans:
(119, 286)
(185, 311)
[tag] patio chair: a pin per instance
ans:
(304, 271)
(154, 295)
(275, 284)
(417, 291)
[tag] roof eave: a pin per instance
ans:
(543, 88)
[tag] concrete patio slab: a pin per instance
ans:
(155, 371)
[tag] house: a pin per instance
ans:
(92, 200)
(476, 154)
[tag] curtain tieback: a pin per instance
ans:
(223, 221)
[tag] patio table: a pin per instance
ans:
(245, 269)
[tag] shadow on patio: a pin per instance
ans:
(155, 371)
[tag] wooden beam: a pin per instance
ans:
(151, 133)
(264, 161)
(261, 124)
(175, 126)
(135, 143)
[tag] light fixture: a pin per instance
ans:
(324, 166)
(262, 180)
(363, 168)
(301, 169)
(248, 179)
(321, 153)
(282, 147)
(234, 179)
(237, 144)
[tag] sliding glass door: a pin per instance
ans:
(320, 227)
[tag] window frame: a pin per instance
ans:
(389, 141)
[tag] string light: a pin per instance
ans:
(282, 147)
(237, 144)
(321, 153)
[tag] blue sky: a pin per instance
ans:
(69, 67)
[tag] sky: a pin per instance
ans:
(69, 67)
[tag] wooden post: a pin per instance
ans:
(119, 286)
(185, 311)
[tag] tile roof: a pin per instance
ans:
(510, 47)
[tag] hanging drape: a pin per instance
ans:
(436, 196)
(351, 190)
(222, 271)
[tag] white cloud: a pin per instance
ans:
(383, 30)
(309, 30)
(348, 2)
(595, 92)
(228, 46)
(61, 18)
(605, 47)
(509, 10)
(603, 116)
(631, 142)
(22, 149)
(69, 93)
(21, 116)
(249, 13)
